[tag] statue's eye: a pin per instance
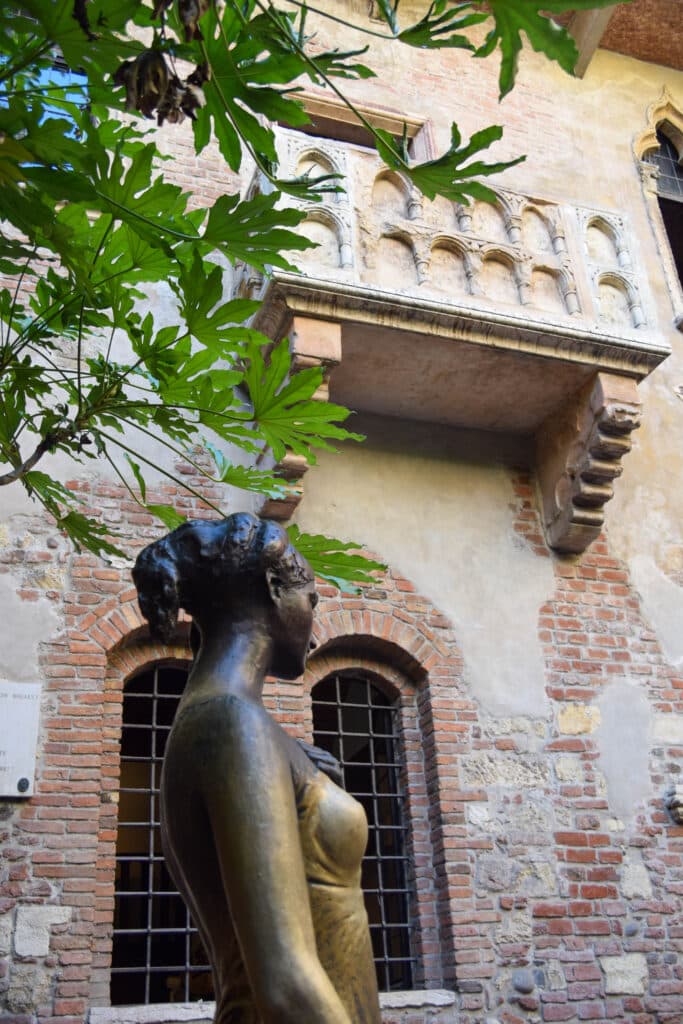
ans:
(314, 599)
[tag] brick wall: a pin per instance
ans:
(536, 902)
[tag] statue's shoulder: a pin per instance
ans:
(228, 709)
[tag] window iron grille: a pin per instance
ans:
(667, 161)
(670, 194)
(157, 954)
(359, 725)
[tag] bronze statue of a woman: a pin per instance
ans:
(264, 847)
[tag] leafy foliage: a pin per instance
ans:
(333, 560)
(445, 19)
(446, 176)
(512, 17)
(89, 219)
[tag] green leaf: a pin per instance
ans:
(85, 532)
(387, 8)
(332, 561)
(449, 175)
(441, 26)
(255, 230)
(512, 17)
(200, 289)
(284, 411)
(107, 22)
(244, 477)
(168, 515)
(137, 473)
(51, 493)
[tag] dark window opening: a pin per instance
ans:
(672, 215)
(321, 127)
(670, 194)
(359, 725)
(157, 954)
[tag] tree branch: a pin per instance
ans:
(16, 474)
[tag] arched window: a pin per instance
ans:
(359, 725)
(668, 161)
(157, 954)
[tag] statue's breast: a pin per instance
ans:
(334, 833)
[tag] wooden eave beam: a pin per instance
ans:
(588, 28)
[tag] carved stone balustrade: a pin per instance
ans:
(529, 316)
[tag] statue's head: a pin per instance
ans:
(241, 569)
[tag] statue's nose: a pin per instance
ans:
(312, 644)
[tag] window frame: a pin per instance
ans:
(664, 116)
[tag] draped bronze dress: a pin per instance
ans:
(332, 830)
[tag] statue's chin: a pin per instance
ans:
(289, 667)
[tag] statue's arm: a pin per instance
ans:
(254, 822)
(324, 761)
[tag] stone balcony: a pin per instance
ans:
(529, 317)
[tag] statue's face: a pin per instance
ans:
(292, 632)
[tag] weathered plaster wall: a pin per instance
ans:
(426, 501)
(624, 739)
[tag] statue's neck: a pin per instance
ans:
(234, 658)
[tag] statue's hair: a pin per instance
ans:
(182, 568)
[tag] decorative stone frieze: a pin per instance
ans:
(554, 260)
(579, 456)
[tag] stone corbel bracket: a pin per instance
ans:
(579, 455)
(312, 343)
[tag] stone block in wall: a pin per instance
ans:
(635, 882)
(29, 987)
(490, 770)
(6, 929)
(579, 453)
(578, 719)
(625, 975)
(32, 934)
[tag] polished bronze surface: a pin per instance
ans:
(262, 844)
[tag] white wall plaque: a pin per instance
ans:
(19, 717)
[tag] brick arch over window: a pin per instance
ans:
(104, 642)
(404, 644)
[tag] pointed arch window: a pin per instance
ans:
(359, 724)
(157, 954)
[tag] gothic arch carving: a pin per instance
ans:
(335, 248)
(402, 190)
(665, 110)
(315, 156)
(611, 283)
